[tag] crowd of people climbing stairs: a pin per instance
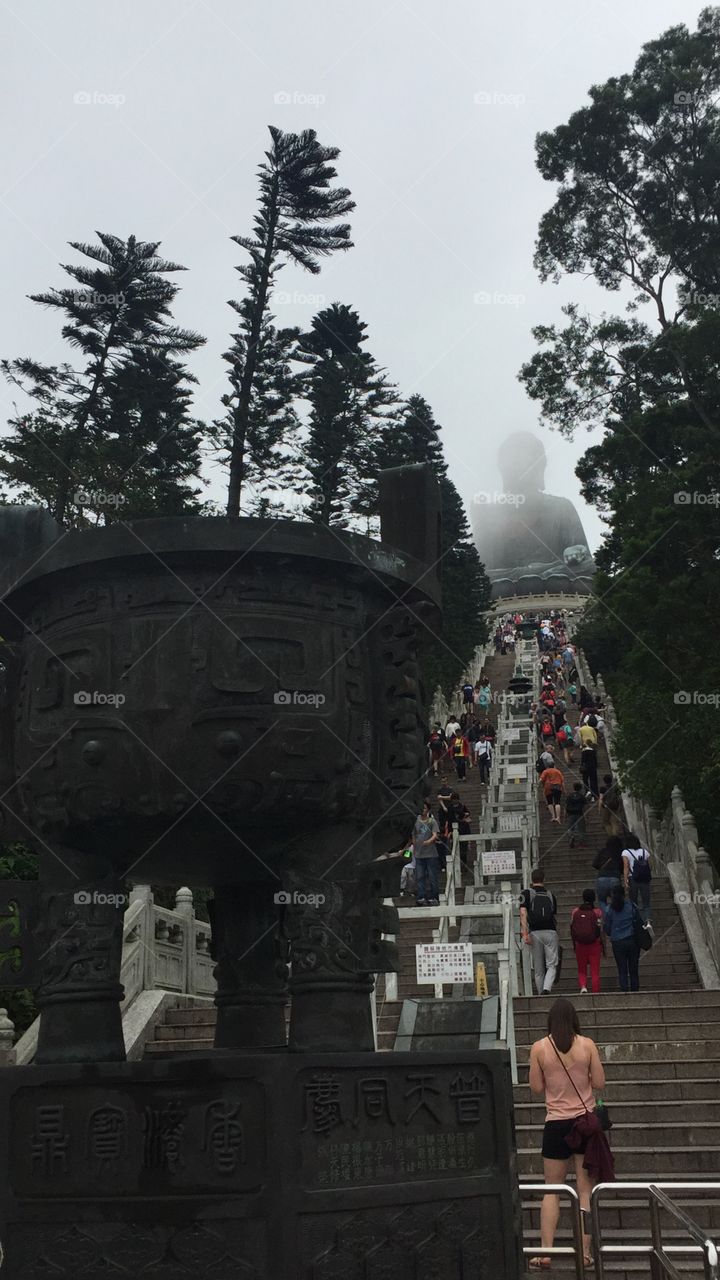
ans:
(615, 910)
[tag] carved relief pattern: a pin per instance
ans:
(451, 1240)
(223, 1251)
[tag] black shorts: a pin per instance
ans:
(554, 796)
(554, 1146)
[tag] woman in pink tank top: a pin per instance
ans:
(565, 1068)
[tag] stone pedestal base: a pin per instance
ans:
(358, 1166)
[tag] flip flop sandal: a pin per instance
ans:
(540, 1264)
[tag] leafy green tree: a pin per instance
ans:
(296, 221)
(636, 208)
(126, 410)
(349, 399)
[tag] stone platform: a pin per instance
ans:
(279, 1166)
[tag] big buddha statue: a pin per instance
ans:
(530, 541)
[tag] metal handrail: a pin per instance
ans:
(559, 1251)
(657, 1251)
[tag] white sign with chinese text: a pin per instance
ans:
(444, 962)
(499, 862)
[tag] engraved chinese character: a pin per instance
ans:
(468, 1096)
(372, 1101)
(421, 1088)
(106, 1138)
(163, 1134)
(224, 1135)
(49, 1142)
(322, 1104)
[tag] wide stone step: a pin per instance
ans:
(591, 1015)
(650, 1137)
(659, 1089)
(614, 1000)
(645, 1161)
(629, 1220)
(634, 1033)
(648, 1067)
(703, 1108)
(652, 1052)
(178, 1046)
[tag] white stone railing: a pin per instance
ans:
(163, 951)
(440, 708)
(674, 842)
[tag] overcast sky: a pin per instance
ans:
(149, 117)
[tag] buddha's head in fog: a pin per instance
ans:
(522, 462)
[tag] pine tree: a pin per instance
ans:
(269, 456)
(296, 222)
(349, 397)
(93, 425)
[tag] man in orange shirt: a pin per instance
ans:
(552, 782)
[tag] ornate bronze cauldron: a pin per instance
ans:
(225, 702)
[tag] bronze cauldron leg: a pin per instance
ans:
(328, 928)
(251, 967)
(80, 938)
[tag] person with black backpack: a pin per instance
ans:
(538, 926)
(637, 875)
(586, 933)
(575, 814)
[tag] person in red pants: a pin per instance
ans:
(587, 938)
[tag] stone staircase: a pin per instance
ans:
(661, 1052)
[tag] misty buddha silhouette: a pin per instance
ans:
(529, 540)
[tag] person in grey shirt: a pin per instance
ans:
(425, 834)
(538, 925)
